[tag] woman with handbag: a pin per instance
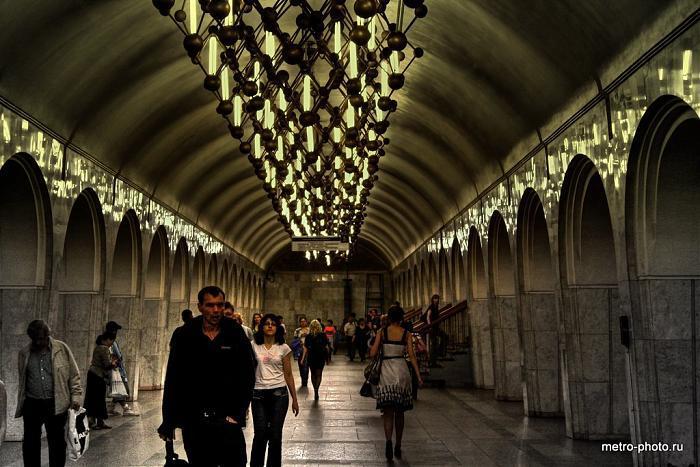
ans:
(98, 379)
(394, 395)
(316, 350)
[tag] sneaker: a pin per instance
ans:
(397, 451)
(388, 451)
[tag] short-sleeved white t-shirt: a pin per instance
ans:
(269, 374)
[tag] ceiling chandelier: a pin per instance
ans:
(307, 93)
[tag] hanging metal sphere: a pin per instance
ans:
(236, 131)
(193, 44)
(225, 107)
(180, 16)
(293, 54)
(250, 88)
(396, 40)
(228, 35)
(255, 104)
(384, 103)
(421, 11)
(308, 118)
(337, 12)
(412, 3)
(365, 8)
(360, 35)
(396, 81)
(267, 135)
(244, 147)
(356, 100)
(212, 83)
(219, 9)
(418, 52)
(354, 86)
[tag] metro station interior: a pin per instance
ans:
(536, 164)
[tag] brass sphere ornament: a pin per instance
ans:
(365, 8)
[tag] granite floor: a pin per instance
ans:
(446, 427)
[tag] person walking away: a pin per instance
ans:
(49, 384)
(350, 329)
(316, 350)
(255, 322)
(208, 385)
(98, 378)
(274, 383)
(300, 333)
(237, 317)
(394, 389)
(362, 336)
(330, 332)
(186, 318)
(113, 328)
(280, 319)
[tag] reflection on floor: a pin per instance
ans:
(447, 427)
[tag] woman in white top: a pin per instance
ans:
(274, 382)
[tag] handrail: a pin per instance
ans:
(445, 313)
(419, 311)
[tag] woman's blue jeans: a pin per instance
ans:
(269, 411)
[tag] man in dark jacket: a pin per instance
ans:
(209, 385)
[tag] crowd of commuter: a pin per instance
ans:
(233, 368)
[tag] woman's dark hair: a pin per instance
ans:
(259, 335)
(395, 314)
(252, 320)
(106, 336)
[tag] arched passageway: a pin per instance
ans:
(81, 279)
(155, 312)
(416, 288)
(26, 237)
(459, 278)
(595, 385)
(124, 302)
(198, 277)
(179, 287)
(482, 350)
(213, 277)
(663, 254)
(445, 289)
(502, 309)
(537, 309)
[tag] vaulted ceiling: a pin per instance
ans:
(112, 76)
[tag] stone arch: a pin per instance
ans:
(223, 279)
(234, 287)
(124, 301)
(503, 312)
(198, 276)
(444, 287)
(179, 288)
(423, 296)
(415, 288)
(81, 278)
(594, 360)
(433, 285)
(663, 256)
(242, 290)
(154, 336)
(249, 291)
(459, 279)
(480, 324)
(537, 310)
(213, 271)
(26, 245)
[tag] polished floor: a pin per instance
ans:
(447, 427)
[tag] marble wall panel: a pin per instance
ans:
(670, 306)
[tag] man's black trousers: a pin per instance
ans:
(210, 444)
(38, 412)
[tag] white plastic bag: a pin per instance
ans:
(117, 386)
(77, 433)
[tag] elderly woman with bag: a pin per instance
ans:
(394, 395)
(98, 380)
